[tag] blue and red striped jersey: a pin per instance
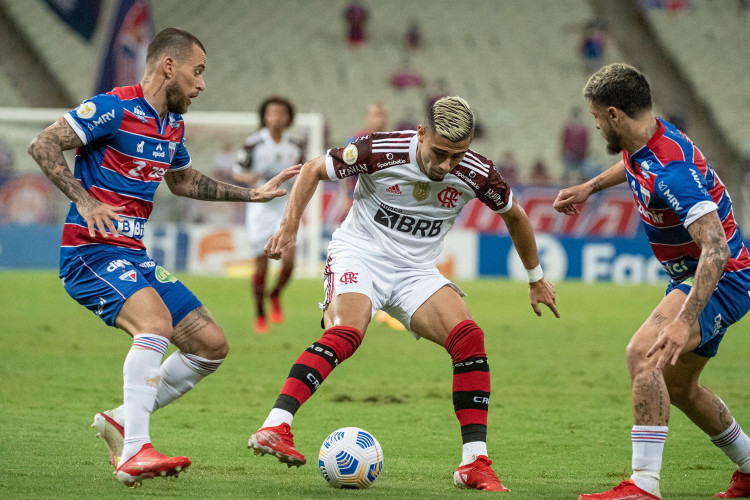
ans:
(673, 185)
(127, 150)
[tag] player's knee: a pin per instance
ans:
(215, 345)
(343, 340)
(161, 326)
(466, 341)
(636, 352)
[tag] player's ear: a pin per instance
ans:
(420, 133)
(168, 66)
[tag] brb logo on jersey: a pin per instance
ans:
(407, 224)
(348, 278)
(448, 197)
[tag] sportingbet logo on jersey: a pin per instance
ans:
(406, 224)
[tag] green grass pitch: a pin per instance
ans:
(559, 421)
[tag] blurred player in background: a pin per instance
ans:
(264, 155)
(376, 120)
(687, 216)
(126, 141)
(411, 187)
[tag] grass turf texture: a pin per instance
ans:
(559, 421)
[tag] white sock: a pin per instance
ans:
(736, 445)
(472, 450)
(648, 447)
(277, 416)
(140, 374)
(179, 374)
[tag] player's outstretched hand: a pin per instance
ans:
(280, 243)
(270, 189)
(568, 198)
(543, 292)
(99, 215)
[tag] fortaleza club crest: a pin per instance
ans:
(421, 190)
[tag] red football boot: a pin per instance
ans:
(625, 490)
(478, 475)
(277, 314)
(261, 326)
(149, 463)
(739, 486)
(279, 442)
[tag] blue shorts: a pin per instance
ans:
(102, 277)
(727, 305)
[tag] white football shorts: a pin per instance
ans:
(262, 221)
(395, 290)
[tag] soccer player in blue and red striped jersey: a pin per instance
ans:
(126, 141)
(687, 215)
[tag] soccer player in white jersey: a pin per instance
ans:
(411, 187)
(264, 155)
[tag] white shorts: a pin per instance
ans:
(395, 290)
(262, 221)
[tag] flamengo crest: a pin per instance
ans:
(348, 278)
(448, 197)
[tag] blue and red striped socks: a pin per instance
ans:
(736, 445)
(648, 447)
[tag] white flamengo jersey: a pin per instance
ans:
(398, 212)
(261, 155)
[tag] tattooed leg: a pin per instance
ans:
(651, 394)
(198, 334)
(704, 408)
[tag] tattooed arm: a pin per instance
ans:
(569, 197)
(708, 233)
(47, 150)
(190, 183)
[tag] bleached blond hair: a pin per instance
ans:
(451, 117)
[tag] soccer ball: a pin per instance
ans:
(350, 458)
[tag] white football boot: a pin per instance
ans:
(111, 432)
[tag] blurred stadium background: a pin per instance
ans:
(518, 62)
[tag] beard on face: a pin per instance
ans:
(614, 143)
(176, 101)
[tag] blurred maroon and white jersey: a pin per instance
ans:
(398, 212)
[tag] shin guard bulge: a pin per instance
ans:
(315, 364)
